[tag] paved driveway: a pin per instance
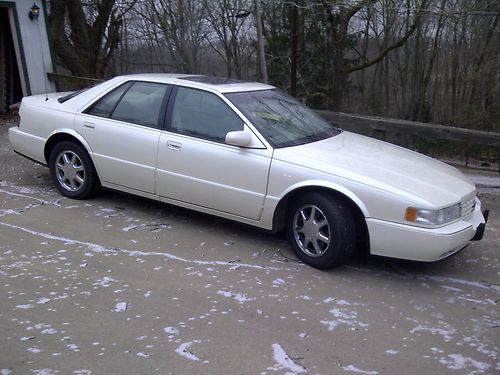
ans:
(123, 285)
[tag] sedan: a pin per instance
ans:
(248, 152)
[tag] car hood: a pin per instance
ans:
(383, 166)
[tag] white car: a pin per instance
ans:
(248, 152)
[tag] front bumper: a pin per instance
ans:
(424, 244)
(480, 229)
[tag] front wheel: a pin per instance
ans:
(321, 230)
(72, 170)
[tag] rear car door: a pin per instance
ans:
(122, 129)
(196, 166)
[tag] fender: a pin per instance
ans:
(331, 186)
(73, 133)
(272, 203)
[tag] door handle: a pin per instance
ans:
(89, 125)
(176, 146)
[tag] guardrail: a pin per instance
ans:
(474, 147)
(394, 130)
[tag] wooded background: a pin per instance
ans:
(423, 60)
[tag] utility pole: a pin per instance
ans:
(260, 43)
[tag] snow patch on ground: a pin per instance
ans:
(129, 228)
(24, 196)
(49, 331)
(183, 351)
(475, 284)
(172, 331)
(459, 362)
(45, 371)
(105, 281)
(241, 298)
(392, 351)
(284, 362)
(279, 282)
(359, 371)
(446, 333)
(349, 319)
(25, 307)
(120, 307)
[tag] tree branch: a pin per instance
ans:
(351, 12)
(399, 43)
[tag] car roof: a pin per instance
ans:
(219, 84)
(208, 83)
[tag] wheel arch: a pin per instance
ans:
(357, 207)
(72, 136)
(64, 135)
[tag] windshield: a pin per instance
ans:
(281, 119)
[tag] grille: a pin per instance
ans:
(468, 208)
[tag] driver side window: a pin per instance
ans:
(204, 115)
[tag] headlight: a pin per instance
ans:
(433, 218)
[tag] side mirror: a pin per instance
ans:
(239, 138)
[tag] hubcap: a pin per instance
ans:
(311, 230)
(69, 170)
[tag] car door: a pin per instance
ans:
(123, 132)
(196, 166)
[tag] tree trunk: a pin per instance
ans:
(295, 43)
(84, 48)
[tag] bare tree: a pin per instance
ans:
(231, 33)
(182, 26)
(340, 16)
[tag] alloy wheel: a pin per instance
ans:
(311, 230)
(70, 171)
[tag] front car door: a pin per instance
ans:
(122, 129)
(197, 167)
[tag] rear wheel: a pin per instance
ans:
(321, 230)
(72, 170)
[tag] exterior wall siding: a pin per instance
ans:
(31, 45)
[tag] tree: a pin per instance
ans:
(327, 49)
(86, 36)
(182, 26)
(340, 15)
(230, 27)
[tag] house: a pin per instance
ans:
(25, 55)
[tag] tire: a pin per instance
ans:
(72, 170)
(321, 230)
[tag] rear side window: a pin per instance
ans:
(134, 102)
(104, 107)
